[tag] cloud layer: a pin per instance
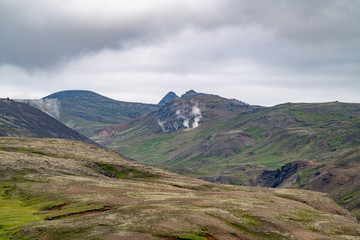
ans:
(264, 52)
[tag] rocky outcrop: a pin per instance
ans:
(191, 93)
(283, 177)
(168, 98)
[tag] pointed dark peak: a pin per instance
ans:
(168, 98)
(188, 94)
(191, 93)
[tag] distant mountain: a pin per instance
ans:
(313, 146)
(63, 189)
(19, 119)
(191, 93)
(87, 111)
(168, 98)
(175, 134)
(227, 141)
(182, 114)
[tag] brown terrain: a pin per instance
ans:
(76, 190)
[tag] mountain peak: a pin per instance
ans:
(74, 94)
(168, 98)
(190, 93)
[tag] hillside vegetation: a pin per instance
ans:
(235, 143)
(87, 111)
(313, 146)
(63, 189)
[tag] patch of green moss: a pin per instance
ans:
(60, 233)
(252, 232)
(189, 237)
(349, 197)
(125, 173)
(312, 228)
(303, 216)
(13, 210)
(30, 151)
(252, 220)
(57, 203)
(27, 150)
(356, 214)
(334, 232)
(255, 131)
(252, 227)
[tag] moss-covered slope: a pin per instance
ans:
(62, 189)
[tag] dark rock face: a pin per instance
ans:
(273, 178)
(19, 119)
(168, 98)
(190, 93)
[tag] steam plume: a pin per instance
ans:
(194, 116)
(161, 124)
(50, 106)
(196, 112)
(188, 116)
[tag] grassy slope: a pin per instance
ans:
(88, 111)
(62, 189)
(239, 148)
(264, 139)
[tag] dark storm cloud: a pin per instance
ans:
(262, 52)
(42, 32)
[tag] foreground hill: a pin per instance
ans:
(234, 143)
(63, 189)
(18, 119)
(87, 111)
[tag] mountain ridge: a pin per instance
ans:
(87, 111)
(18, 119)
(232, 147)
(228, 141)
(168, 98)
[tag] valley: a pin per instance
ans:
(309, 146)
(179, 120)
(236, 143)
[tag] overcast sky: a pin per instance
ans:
(262, 52)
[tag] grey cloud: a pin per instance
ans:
(42, 33)
(151, 47)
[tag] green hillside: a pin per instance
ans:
(61, 189)
(87, 111)
(312, 146)
(233, 148)
(263, 138)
